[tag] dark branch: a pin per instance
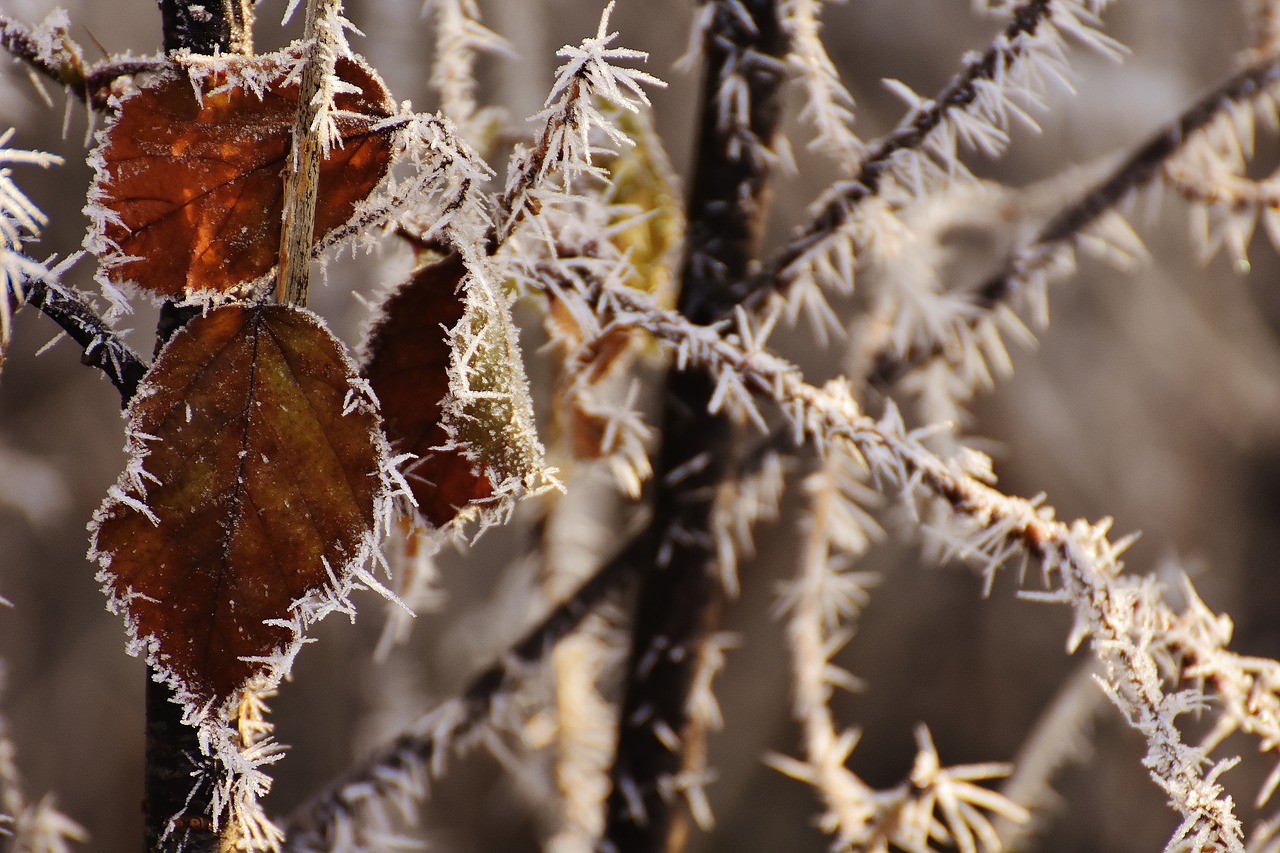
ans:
(314, 819)
(866, 182)
(682, 597)
(172, 815)
(102, 347)
(66, 65)
(173, 747)
(1140, 169)
(207, 26)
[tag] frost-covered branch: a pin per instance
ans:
(829, 106)
(23, 280)
(821, 603)
(1124, 617)
(587, 77)
(314, 133)
(996, 88)
(27, 826)
(49, 51)
(460, 37)
(20, 221)
(1090, 222)
(369, 798)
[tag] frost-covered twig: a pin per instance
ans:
(384, 785)
(102, 347)
(829, 106)
(50, 51)
(47, 49)
(26, 826)
(995, 88)
(20, 221)
(1123, 617)
(821, 602)
(314, 133)
(460, 37)
(1026, 273)
(24, 280)
(571, 113)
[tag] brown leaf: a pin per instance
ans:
(407, 362)
(188, 191)
(252, 495)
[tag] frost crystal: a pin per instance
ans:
(20, 220)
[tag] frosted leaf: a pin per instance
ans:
(488, 414)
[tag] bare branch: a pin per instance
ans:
(102, 347)
(1027, 268)
(398, 770)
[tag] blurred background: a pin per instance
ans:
(1153, 397)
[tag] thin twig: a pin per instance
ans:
(379, 774)
(1140, 169)
(102, 347)
(65, 66)
(311, 143)
(879, 160)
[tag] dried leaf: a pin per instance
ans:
(489, 412)
(407, 363)
(188, 189)
(648, 231)
(641, 178)
(252, 495)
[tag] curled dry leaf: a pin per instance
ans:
(406, 363)
(252, 496)
(489, 411)
(188, 190)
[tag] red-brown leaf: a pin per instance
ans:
(188, 193)
(408, 355)
(262, 483)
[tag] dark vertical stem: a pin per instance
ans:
(207, 26)
(176, 815)
(681, 597)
